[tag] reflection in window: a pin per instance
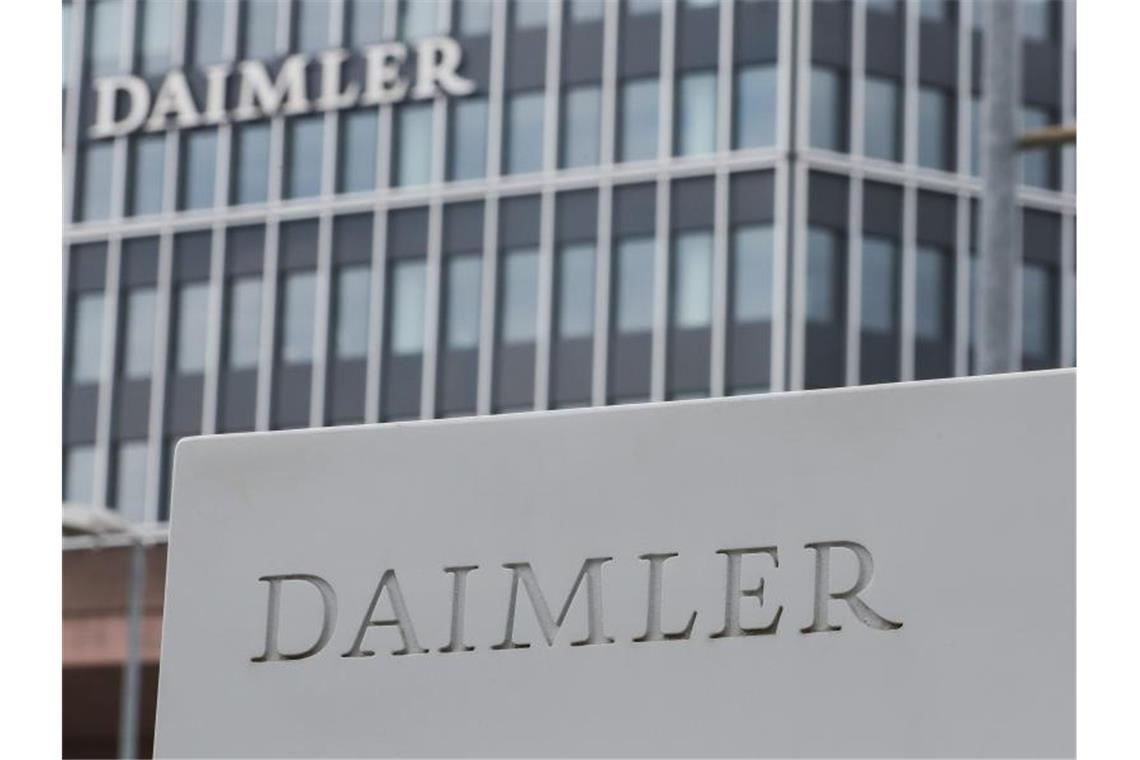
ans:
(634, 265)
(823, 266)
(828, 104)
(879, 312)
(353, 289)
(524, 131)
(417, 19)
(934, 10)
(692, 280)
(528, 14)
(576, 291)
(244, 322)
(305, 151)
(250, 162)
(1037, 311)
(130, 479)
(1036, 19)
(881, 133)
(467, 158)
(357, 152)
(364, 24)
(520, 296)
(638, 115)
(192, 302)
(975, 136)
(311, 25)
(581, 125)
(86, 337)
(642, 7)
(413, 144)
(148, 159)
(157, 20)
(138, 333)
(473, 17)
(752, 251)
(461, 325)
(79, 473)
(1036, 163)
(755, 107)
(696, 113)
(934, 128)
(407, 328)
(95, 200)
(199, 160)
(208, 25)
(259, 33)
(883, 6)
(298, 308)
(103, 46)
(587, 10)
(932, 294)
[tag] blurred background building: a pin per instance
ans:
(640, 201)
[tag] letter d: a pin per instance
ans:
(273, 618)
(106, 91)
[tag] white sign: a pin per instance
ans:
(873, 571)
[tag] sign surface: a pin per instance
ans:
(880, 571)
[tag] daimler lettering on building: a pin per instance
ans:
(125, 104)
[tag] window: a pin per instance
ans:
(878, 295)
(755, 108)
(209, 23)
(881, 134)
(634, 264)
(243, 322)
(642, 7)
(413, 144)
(935, 10)
(250, 162)
(79, 473)
(1037, 311)
(155, 40)
(752, 251)
(103, 46)
(86, 337)
(692, 280)
(311, 25)
(1037, 163)
(975, 136)
(138, 333)
(934, 128)
(932, 294)
(883, 6)
(823, 265)
(358, 151)
(696, 113)
(520, 296)
(587, 10)
(365, 22)
(298, 307)
(1036, 19)
(148, 159)
(199, 157)
(474, 17)
(576, 291)
(408, 303)
(524, 131)
(828, 104)
(130, 479)
(461, 324)
(581, 125)
(417, 19)
(638, 115)
(468, 155)
(192, 302)
(305, 151)
(527, 14)
(351, 304)
(95, 199)
(259, 36)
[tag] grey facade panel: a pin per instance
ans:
(184, 405)
(697, 37)
(463, 227)
(938, 55)
(400, 387)
(827, 200)
(751, 197)
(352, 239)
(582, 52)
(1041, 74)
(132, 409)
(692, 203)
(88, 267)
(572, 369)
(245, 249)
(298, 245)
(291, 384)
(634, 209)
(1041, 236)
(756, 32)
(458, 378)
(514, 377)
(345, 389)
(937, 218)
(140, 262)
(80, 409)
(576, 215)
(831, 33)
(629, 367)
(519, 221)
(407, 232)
(639, 53)
(526, 60)
(885, 44)
(237, 402)
(192, 256)
(882, 209)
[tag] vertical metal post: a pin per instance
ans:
(999, 255)
(129, 691)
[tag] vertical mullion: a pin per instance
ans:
(853, 344)
(799, 174)
(431, 309)
(780, 262)
(785, 143)
(910, 191)
(857, 127)
(604, 235)
(962, 300)
(106, 395)
(158, 374)
(215, 324)
(374, 361)
(79, 20)
(1068, 272)
(719, 330)
(662, 233)
(551, 131)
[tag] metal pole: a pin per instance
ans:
(1000, 257)
(129, 692)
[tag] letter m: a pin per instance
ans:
(591, 572)
(258, 96)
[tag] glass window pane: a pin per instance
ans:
(244, 322)
(878, 294)
(95, 200)
(975, 137)
(155, 40)
(297, 309)
(209, 30)
(251, 162)
(934, 10)
(199, 158)
(823, 265)
(696, 113)
(638, 119)
(138, 347)
(752, 250)
(1036, 19)
(417, 19)
(756, 105)
(634, 265)
(311, 25)
(148, 159)
(1036, 164)
(581, 125)
(191, 307)
(529, 14)
(353, 296)
(932, 294)
(463, 301)
(79, 474)
(305, 141)
(358, 150)
(1037, 311)
(103, 42)
(413, 144)
(692, 280)
(130, 479)
(587, 10)
(468, 154)
(524, 132)
(259, 37)
(881, 134)
(86, 337)
(474, 17)
(364, 24)
(520, 296)
(642, 7)
(408, 304)
(827, 109)
(934, 128)
(576, 291)
(883, 6)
